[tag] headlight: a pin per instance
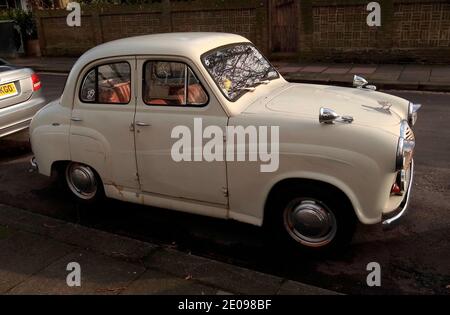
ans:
(412, 113)
(405, 148)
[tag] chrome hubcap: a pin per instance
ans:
(81, 180)
(310, 222)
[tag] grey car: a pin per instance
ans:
(20, 97)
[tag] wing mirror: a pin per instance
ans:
(359, 82)
(329, 116)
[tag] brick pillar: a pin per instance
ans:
(40, 31)
(166, 18)
(387, 24)
(306, 28)
(97, 26)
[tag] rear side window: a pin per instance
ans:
(172, 84)
(107, 84)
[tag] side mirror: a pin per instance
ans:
(359, 82)
(327, 116)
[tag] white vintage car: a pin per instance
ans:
(181, 121)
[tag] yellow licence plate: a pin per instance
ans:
(7, 90)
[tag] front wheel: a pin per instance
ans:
(83, 182)
(312, 219)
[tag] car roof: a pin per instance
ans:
(191, 45)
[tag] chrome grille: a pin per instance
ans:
(409, 134)
(406, 131)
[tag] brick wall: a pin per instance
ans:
(102, 24)
(329, 30)
(127, 25)
(56, 30)
(422, 25)
(342, 27)
(411, 31)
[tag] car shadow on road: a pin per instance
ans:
(13, 149)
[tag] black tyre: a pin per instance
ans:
(82, 182)
(313, 218)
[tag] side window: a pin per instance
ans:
(107, 84)
(88, 89)
(172, 83)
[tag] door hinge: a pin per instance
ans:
(225, 192)
(224, 137)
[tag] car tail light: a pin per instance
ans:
(36, 81)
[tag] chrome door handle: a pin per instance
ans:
(142, 124)
(76, 119)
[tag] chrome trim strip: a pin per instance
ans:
(405, 203)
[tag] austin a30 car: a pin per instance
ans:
(203, 123)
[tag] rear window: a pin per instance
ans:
(107, 84)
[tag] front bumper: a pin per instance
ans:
(33, 165)
(392, 217)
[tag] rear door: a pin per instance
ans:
(101, 133)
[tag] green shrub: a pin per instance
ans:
(24, 19)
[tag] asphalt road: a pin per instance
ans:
(414, 256)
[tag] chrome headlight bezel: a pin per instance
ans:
(412, 113)
(405, 148)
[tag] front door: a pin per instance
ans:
(101, 132)
(171, 98)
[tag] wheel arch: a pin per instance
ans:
(338, 188)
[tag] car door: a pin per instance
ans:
(172, 97)
(101, 133)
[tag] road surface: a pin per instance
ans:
(414, 257)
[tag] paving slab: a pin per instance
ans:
(387, 72)
(106, 243)
(363, 70)
(295, 288)
(337, 70)
(100, 274)
(440, 74)
(415, 73)
(24, 254)
(314, 69)
(156, 282)
(227, 277)
(289, 69)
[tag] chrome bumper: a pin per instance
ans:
(392, 217)
(33, 165)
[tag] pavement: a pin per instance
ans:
(36, 250)
(417, 77)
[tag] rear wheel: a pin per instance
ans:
(83, 182)
(311, 218)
